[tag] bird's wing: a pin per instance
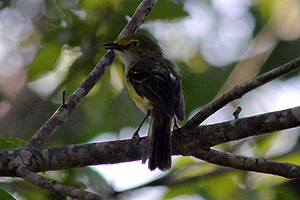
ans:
(160, 84)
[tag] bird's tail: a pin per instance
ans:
(158, 147)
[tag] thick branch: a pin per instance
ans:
(55, 158)
(63, 113)
(39, 159)
(238, 91)
(208, 135)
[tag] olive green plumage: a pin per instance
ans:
(155, 85)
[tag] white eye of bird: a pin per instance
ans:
(134, 44)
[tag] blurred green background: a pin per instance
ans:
(47, 47)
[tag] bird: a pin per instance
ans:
(155, 86)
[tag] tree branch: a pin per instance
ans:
(237, 129)
(238, 91)
(19, 166)
(176, 178)
(62, 114)
(54, 186)
(39, 159)
(286, 170)
(56, 158)
(24, 161)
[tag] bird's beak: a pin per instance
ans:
(114, 46)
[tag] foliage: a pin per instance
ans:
(59, 65)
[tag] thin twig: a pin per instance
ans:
(64, 98)
(237, 112)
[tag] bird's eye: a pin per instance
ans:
(134, 44)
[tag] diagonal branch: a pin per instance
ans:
(63, 113)
(238, 91)
(176, 178)
(54, 186)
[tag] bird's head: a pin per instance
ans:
(134, 47)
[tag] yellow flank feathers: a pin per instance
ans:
(142, 102)
(155, 86)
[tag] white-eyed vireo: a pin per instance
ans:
(155, 86)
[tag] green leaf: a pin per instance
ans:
(2, 97)
(89, 179)
(181, 189)
(8, 143)
(5, 195)
(167, 10)
(203, 85)
(96, 182)
(163, 9)
(44, 61)
(223, 186)
(28, 191)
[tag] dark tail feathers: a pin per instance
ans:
(158, 147)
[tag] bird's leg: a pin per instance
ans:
(136, 133)
(176, 126)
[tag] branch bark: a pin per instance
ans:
(186, 141)
(286, 170)
(21, 167)
(54, 186)
(56, 158)
(240, 90)
(62, 114)
(246, 127)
